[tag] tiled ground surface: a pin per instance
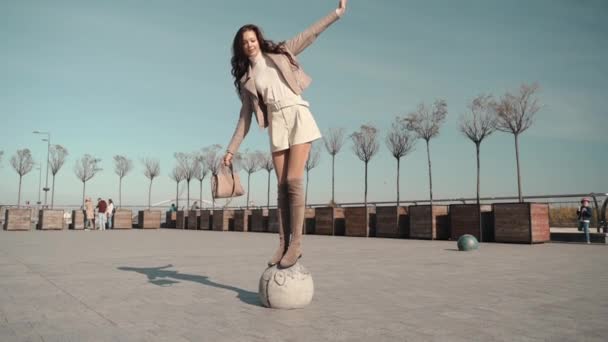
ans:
(169, 285)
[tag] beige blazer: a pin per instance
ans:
(295, 77)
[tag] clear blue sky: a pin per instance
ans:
(150, 78)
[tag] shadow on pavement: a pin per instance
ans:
(162, 277)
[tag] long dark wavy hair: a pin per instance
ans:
(240, 61)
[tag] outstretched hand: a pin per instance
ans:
(341, 7)
(227, 159)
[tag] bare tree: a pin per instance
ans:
(57, 157)
(400, 142)
(333, 139)
(188, 162)
(365, 146)
(212, 160)
(23, 163)
(425, 123)
(515, 114)
(177, 174)
(122, 166)
(268, 165)
(200, 172)
(313, 161)
(251, 163)
(151, 171)
(478, 123)
(85, 169)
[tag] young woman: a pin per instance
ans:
(270, 81)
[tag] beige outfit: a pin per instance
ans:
(90, 211)
(290, 120)
(292, 76)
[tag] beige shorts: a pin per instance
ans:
(291, 125)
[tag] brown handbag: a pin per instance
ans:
(226, 183)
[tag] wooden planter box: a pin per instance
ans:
(471, 219)
(223, 220)
(521, 222)
(259, 220)
(50, 219)
(241, 220)
(17, 219)
(170, 217)
(392, 222)
(193, 219)
(273, 220)
(77, 220)
(358, 221)
(309, 221)
(180, 219)
(123, 219)
(329, 221)
(149, 219)
(205, 220)
(427, 224)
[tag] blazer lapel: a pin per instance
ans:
(248, 83)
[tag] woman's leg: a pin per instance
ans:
(298, 155)
(586, 228)
(280, 160)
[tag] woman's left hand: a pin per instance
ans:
(341, 7)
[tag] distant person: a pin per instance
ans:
(195, 206)
(102, 206)
(172, 208)
(89, 215)
(110, 213)
(584, 214)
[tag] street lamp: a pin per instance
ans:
(48, 149)
(39, 168)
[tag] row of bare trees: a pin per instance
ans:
(22, 162)
(512, 113)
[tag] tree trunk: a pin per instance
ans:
(268, 193)
(518, 174)
(200, 195)
(398, 160)
(477, 146)
(150, 196)
(428, 154)
(248, 180)
(365, 196)
(306, 193)
(19, 194)
(333, 166)
(84, 187)
(53, 194)
(478, 167)
(177, 195)
(120, 192)
(188, 195)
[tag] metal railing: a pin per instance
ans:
(596, 199)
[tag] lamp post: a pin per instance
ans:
(39, 168)
(48, 149)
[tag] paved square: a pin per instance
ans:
(171, 285)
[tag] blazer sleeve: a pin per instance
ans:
(242, 126)
(301, 41)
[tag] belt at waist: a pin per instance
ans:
(278, 104)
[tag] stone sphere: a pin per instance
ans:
(467, 242)
(289, 288)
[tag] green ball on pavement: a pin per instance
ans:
(467, 242)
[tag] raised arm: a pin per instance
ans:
(301, 41)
